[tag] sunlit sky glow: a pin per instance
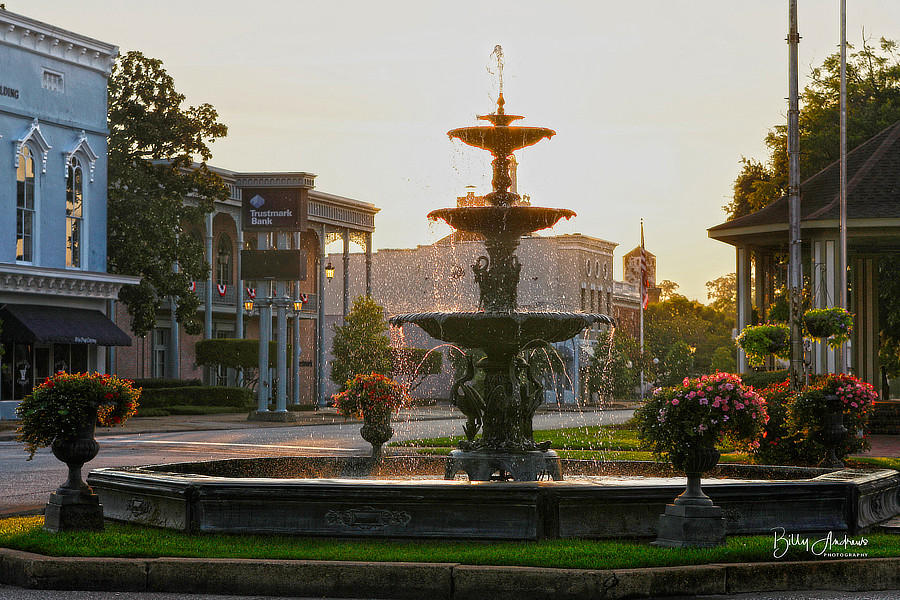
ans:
(654, 101)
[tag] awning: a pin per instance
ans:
(28, 323)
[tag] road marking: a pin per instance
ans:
(226, 444)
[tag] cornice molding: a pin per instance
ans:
(60, 282)
(47, 40)
(254, 180)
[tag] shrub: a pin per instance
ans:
(361, 344)
(761, 341)
(412, 365)
(783, 444)
(811, 410)
(157, 382)
(238, 398)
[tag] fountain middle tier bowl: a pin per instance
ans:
(501, 221)
(505, 332)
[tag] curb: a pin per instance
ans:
(439, 581)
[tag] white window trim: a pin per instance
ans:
(82, 147)
(36, 229)
(33, 136)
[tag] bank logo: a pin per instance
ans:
(257, 201)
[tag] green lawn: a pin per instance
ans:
(129, 541)
(610, 442)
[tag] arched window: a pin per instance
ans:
(25, 205)
(224, 255)
(74, 213)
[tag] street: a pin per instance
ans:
(27, 485)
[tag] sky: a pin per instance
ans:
(654, 102)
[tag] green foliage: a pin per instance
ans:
(361, 344)
(60, 407)
(782, 443)
(810, 410)
(761, 379)
(197, 395)
(367, 394)
(153, 143)
(678, 364)
(701, 413)
(724, 360)
(723, 293)
(239, 354)
(615, 372)
(762, 341)
(158, 382)
(700, 327)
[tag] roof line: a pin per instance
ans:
(862, 171)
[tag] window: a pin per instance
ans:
(224, 261)
(160, 346)
(74, 213)
(25, 206)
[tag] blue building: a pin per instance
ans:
(55, 293)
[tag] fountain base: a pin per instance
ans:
(504, 466)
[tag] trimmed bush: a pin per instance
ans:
(763, 379)
(234, 353)
(238, 398)
(156, 382)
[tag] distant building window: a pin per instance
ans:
(25, 206)
(53, 81)
(224, 260)
(160, 351)
(74, 213)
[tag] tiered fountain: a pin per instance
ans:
(512, 392)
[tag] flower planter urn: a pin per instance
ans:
(377, 429)
(74, 506)
(692, 519)
(831, 436)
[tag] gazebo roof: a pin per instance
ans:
(873, 201)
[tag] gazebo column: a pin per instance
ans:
(825, 293)
(743, 301)
(864, 306)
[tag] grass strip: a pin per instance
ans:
(130, 541)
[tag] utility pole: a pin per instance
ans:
(795, 274)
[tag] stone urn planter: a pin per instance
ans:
(692, 519)
(62, 412)
(683, 424)
(373, 397)
(831, 436)
(377, 429)
(74, 506)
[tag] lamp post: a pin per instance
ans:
(329, 271)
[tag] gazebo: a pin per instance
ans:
(873, 229)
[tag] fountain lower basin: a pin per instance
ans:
(318, 496)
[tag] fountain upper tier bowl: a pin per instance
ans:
(505, 332)
(501, 221)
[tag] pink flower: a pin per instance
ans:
(675, 402)
(704, 401)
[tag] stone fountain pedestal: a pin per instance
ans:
(518, 466)
(691, 526)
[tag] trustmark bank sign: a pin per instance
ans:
(267, 209)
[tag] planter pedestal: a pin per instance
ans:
(692, 520)
(74, 506)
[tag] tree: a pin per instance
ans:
(723, 293)
(682, 320)
(667, 289)
(361, 344)
(615, 373)
(153, 143)
(873, 103)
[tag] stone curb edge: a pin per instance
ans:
(438, 581)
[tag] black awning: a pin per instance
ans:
(29, 323)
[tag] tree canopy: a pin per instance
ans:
(154, 143)
(361, 344)
(873, 103)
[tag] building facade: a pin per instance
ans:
(572, 272)
(55, 293)
(168, 352)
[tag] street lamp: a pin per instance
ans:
(329, 270)
(298, 306)
(248, 305)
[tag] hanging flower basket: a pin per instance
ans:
(760, 341)
(832, 324)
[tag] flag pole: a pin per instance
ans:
(645, 296)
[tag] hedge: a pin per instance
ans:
(156, 383)
(195, 395)
(235, 353)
